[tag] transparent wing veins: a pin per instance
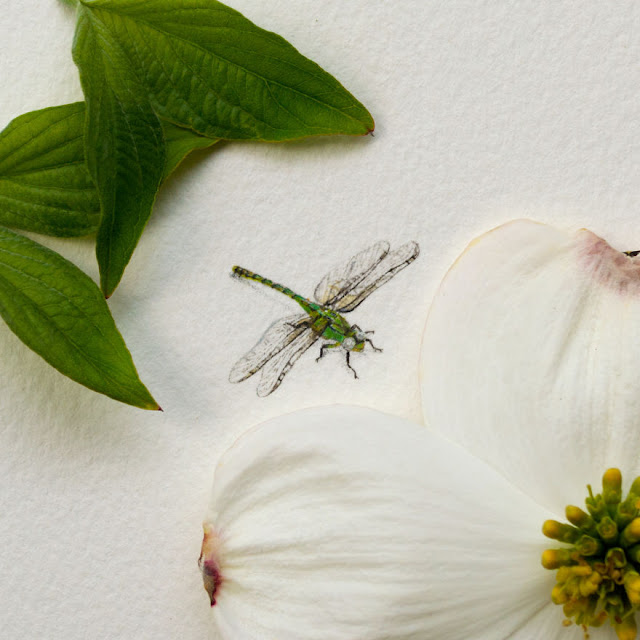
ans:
(381, 273)
(340, 280)
(275, 370)
(275, 339)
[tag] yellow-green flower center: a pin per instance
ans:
(598, 576)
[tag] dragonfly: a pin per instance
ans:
(340, 291)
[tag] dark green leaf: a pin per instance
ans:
(44, 183)
(181, 142)
(202, 66)
(59, 312)
(124, 148)
(208, 68)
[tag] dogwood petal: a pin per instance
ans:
(530, 358)
(343, 523)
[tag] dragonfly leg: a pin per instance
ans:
(371, 343)
(324, 347)
(355, 375)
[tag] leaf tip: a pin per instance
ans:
(108, 288)
(150, 404)
(369, 123)
(105, 286)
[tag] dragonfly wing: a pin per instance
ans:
(276, 338)
(275, 370)
(382, 272)
(343, 278)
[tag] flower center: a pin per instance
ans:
(598, 576)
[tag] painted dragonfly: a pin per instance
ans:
(340, 291)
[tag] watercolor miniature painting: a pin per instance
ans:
(455, 457)
(340, 291)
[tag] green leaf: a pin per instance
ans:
(44, 183)
(197, 64)
(210, 69)
(59, 312)
(124, 148)
(180, 142)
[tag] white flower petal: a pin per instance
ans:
(531, 355)
(342, 523)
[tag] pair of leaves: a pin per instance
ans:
(161, 78)
(44, 182)
(200, 65)
(52, 306)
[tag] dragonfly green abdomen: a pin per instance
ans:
(340, 291)
(307, 305)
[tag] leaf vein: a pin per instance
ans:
(35, 137)
(167, 37)
(64, 298)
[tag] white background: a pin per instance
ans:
(485, 111)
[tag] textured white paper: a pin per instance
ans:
(485, 111)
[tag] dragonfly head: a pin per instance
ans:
(359, 334)
(355, 342)
(349, 344)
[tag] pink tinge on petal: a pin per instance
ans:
(209, 563)
(609, 267)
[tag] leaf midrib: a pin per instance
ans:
(26, 172)
(48, 207)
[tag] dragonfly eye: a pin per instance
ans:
(361, 336)
(348, 344)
